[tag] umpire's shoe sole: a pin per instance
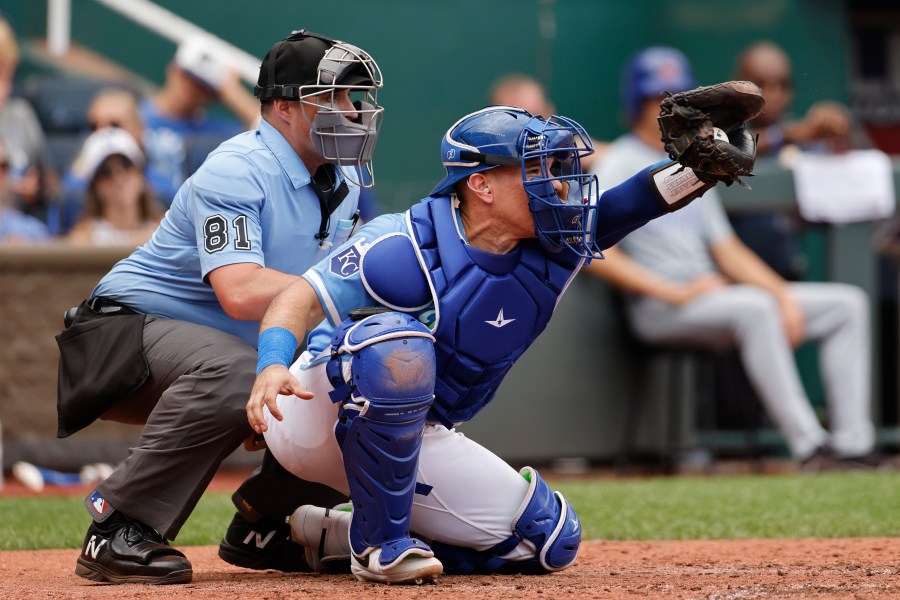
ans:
(131, 552)
(175, 574)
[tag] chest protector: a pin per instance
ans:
(489, 307)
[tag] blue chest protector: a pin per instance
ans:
(489, 307)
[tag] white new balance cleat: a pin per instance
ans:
(414, 566)
(324, 534)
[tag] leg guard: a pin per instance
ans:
(389, 391)
(545, 519)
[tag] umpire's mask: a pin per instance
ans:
(315, 70)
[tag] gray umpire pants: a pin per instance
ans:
(193, 411)
(747, 317)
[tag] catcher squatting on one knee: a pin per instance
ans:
(427, 310)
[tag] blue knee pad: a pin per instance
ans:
(382, 418)
(545, 519)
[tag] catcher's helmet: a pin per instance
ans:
(312, 69)
(652, 72)
(507, 136)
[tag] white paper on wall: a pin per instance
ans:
(844, 188)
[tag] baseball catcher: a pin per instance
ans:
(705, 129)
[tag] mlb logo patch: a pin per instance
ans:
(98, 502)
(98, 506)
(346, 263)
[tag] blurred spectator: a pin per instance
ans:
(15, 226)
(115, 107)
(691, 281)
(119, 209)
(524, 91)
(22, 133)
(826, 127)
(176, 116)
(111, 107)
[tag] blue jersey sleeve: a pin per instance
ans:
(226, 218)
(627, 206)
(337, 280)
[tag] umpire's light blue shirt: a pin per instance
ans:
(250, 202)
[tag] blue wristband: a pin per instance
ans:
(275, 346)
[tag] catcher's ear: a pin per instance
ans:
(477, 182)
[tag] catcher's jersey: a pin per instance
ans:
(476, 343)
(338, 282)
(250, 202)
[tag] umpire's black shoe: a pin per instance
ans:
(122, 550)
(265, 544)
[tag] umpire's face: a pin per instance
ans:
(297, 118)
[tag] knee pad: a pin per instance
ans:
(545, 519)
(549, 522)
(382, 418)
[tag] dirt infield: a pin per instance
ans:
(815, 568)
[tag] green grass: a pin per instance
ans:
(773, 506)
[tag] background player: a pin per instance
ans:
(168, 337)
(471, 276)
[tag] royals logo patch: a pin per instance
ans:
(346, 263)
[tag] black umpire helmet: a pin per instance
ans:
(303, 60)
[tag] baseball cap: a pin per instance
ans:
(295, 61)
(197, 57)
(102, 144)
(653, 72)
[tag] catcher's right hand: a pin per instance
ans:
(687, 119)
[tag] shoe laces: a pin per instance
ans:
(136, 531)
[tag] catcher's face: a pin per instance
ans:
(534, 170)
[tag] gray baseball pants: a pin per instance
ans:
(193, 408)
(748, 318)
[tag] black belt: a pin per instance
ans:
(105, 306)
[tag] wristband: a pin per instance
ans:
(676, 186)
(275, 346)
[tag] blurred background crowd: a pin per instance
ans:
(100, 126)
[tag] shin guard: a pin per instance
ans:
(382, 419)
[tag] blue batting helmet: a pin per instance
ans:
(652, 72)
(506, 136)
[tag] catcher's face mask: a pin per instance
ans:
(562, 198)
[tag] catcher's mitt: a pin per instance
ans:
(687, 120)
